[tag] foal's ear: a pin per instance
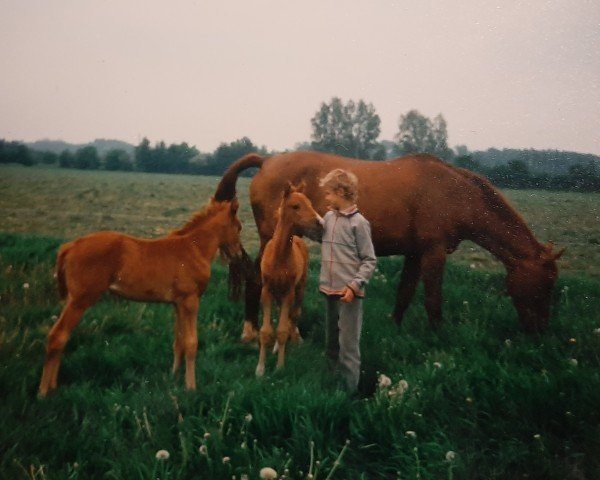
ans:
(301, 186)
(289, 188)
(235, 204)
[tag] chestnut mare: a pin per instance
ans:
(173, 269)
(284, 267)
(419, 207)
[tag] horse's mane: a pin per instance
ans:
(196, 220)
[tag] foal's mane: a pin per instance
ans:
(198, 219)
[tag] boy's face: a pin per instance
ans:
(335, 201)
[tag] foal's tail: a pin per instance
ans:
(226, 188)
(239, 269)
(63, 290)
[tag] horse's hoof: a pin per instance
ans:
(249, 333)
(260, 371)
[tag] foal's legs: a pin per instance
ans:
(187, 313)
(297, 311)
(57, 339)
(177, 344)
(283, 328)
(432, 266)
(408, 283)
(266, 331)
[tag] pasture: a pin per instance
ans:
(481, 399)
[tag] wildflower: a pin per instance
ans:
(410, 433)
(572, 341)
(469, 400)
(25, 286)
(597, 331)
(248, 418)
(437, 364)
(267, 473)
(472, 265)
(203, 450)
(573, 362)
(206, 436)
(465, 302)
(507, 342)
(450, 456)
(162, 455)
(537, 436)
(244, 445)
(244, 476)
(226, 460)
(384, 381)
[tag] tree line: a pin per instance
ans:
(349, 129)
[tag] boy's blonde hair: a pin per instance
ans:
(342, 182)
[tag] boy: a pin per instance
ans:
(347, 263)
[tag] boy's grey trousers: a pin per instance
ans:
(342, 337)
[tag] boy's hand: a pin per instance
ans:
(347, 295)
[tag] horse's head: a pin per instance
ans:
(530, 283)
(296, 209)
(229, 227)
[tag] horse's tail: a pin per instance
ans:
(226, 188)
(63, 290)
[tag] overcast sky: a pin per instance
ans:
(504, 74)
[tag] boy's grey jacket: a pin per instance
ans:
(347, 253)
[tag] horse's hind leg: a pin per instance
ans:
(432, 266)
(295, 336)
(57, 339)
(253, 291)
(408, 283)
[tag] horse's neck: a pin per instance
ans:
(507, 238)
(282, 239)
(205, 239)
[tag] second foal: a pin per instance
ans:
(284, 267)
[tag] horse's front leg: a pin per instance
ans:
(283, 328)
(266, 331)
(187, 315)
(409, 279)
(177, 344)
(57, 340)
(432, 268)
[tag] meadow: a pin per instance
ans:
(477, 400)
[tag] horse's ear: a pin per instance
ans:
(558, 254)
(301, 186)
(289, 188)
(553, 256)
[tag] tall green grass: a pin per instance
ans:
(506, 404)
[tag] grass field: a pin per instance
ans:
(482, 400)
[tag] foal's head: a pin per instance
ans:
(297, 210)
(228, 227)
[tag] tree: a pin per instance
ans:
(117, 159)
(419, 134)
(87, 158)
(351, 129)
(143, 156)
(66, 159)
(226, 154)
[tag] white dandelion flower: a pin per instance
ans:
(573, 362)
(537, 436)
(206, 436)
(162, 455)
(268, 473)
(597, 331)
(226, 460)
(203, 450)
(437, 364)
(410, 433)
(248, 418)
(450, 456)
(25, 286)
(384, 381)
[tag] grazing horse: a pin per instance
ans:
(174, 269)
(419, 207)
(284, 267)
